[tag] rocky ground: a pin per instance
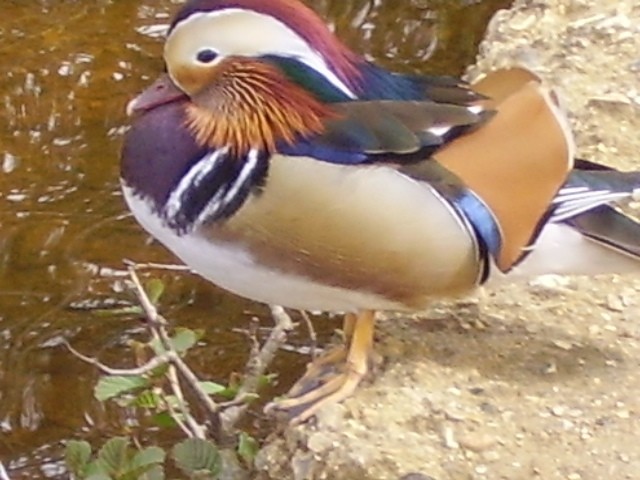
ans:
(529, 381)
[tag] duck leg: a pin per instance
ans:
(334, 376)
(326, 364)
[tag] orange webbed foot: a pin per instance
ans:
(332, 377)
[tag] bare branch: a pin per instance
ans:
(149, 308)
(157, 266)
(157, 325)
(176, 418)
(257, 366)
(148, 367)
(313, 348)
(223, 417)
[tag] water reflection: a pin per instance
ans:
(67, 69)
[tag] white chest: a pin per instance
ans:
(234, 269)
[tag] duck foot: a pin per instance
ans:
(332, 377)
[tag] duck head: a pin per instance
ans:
(290, 37)
(254, 73)
(206, 32)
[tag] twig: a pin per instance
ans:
(194, 383)
(312, 334)
(223, 417)
(252, 333)
(157, 324)
(188, 430)
(194, 429)
(157, 266)
(257, 366)
(159, 332)
(197, 430)
(149, 308)
(151, 365)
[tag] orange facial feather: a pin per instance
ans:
(250, 104)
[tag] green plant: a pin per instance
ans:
(118, 460)
(156, 386)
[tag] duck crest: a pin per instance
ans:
(251, 105)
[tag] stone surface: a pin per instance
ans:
(529, 381)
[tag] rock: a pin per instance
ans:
(460, 403)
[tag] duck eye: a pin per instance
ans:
(207, 55)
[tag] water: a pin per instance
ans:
(67, 68)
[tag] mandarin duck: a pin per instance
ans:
(285, 168)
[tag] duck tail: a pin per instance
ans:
(587, 231)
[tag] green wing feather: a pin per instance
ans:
(397, 127)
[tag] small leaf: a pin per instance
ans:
(228, 393)
(250, 397)
(154, 473)
(200, 332)
(95, 471)
(164, 420)
(183, 340)
(146, 464)
(247, 448)
(266, 380)
(212, 388)
(195, 455)
(147, 399)
(98, 476)
(148, 456)
(114, 456)
(114, 385)
(172, 402)
(77, 455)
(154, 289)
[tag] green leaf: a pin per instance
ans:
(77, 455)
(98, 476)
(212, 388)
(194, 455)
(164, 420)
(266, 380)
(247, 448)
(172, 402)
(114, 456)
(148, 456)
(154, 473)
(183, 340)
(199, 333)
(95, 471)
(230, 392)
(154, 289)
(114, 385)
(146, 464)
(147, 399)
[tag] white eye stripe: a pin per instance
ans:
(237, 31)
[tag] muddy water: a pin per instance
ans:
(66, 70)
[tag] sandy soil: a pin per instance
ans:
(530, 381)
